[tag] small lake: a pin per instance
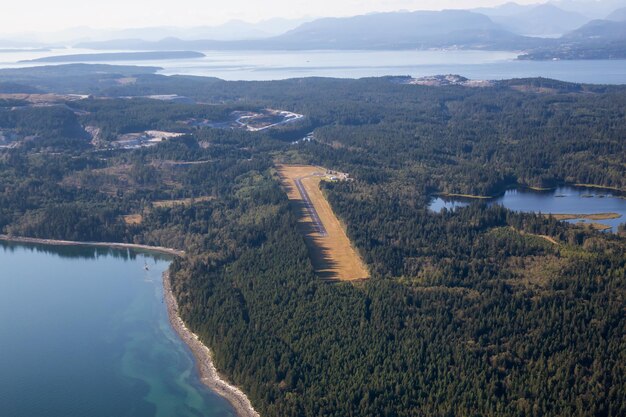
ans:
(278, 65)
(562, 200)
(84, 333)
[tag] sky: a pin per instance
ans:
(23, 16)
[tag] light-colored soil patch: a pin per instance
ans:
(533, 89)
(332, 254)
(544, 237)
(266, 119)
(182, 163)
(535, 188)
(132, 219)
(48, 98)
(126, 80)
(143, 139)
(595, 226)
(601, 187)
(548, 238)
(181, 202)
(594, 216)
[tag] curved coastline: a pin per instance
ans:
(204, 358)
(209, 375)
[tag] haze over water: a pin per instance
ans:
(83, 332)
(275, 65)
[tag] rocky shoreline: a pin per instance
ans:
(208, 373)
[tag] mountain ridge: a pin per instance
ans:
(394, 30)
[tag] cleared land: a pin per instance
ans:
(135, 219)
(594, 216)
(602, 187)
(595, 226)
(132, 219)
(332, 255)
(42, 99)
(182, 201)
(544, 237)
(252, 121)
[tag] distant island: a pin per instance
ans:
(120, 56)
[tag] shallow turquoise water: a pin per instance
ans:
(84, 332)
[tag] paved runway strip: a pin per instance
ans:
(319, 226)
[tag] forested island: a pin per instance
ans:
(120, 56)
(473, 311)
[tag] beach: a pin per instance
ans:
(208, 373)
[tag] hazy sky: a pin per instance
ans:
(41, 15)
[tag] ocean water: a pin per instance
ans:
(276, 65)
(84, 332)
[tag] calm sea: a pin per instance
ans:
(275, 65)
(84, 332)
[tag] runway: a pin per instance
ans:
(310, 208)
(332, 255)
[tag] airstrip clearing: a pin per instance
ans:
(332, 254)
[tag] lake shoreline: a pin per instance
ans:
(204, 358)
(618, 192)
(578, 206)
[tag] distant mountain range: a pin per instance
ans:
(232, 30)
(400, 30)
(562, 29)
(598, 39)
(542, 20)
(554, 18)
(591, 9)
(594, 9)
(448, 28)
(618, 15)
(599, 31)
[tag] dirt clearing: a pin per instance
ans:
(132, 219)
(181, 202)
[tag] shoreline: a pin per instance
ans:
(115, 245)
(204, 358)
(209, 375)
(620, 193)
(468, 196)
(590, 216)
